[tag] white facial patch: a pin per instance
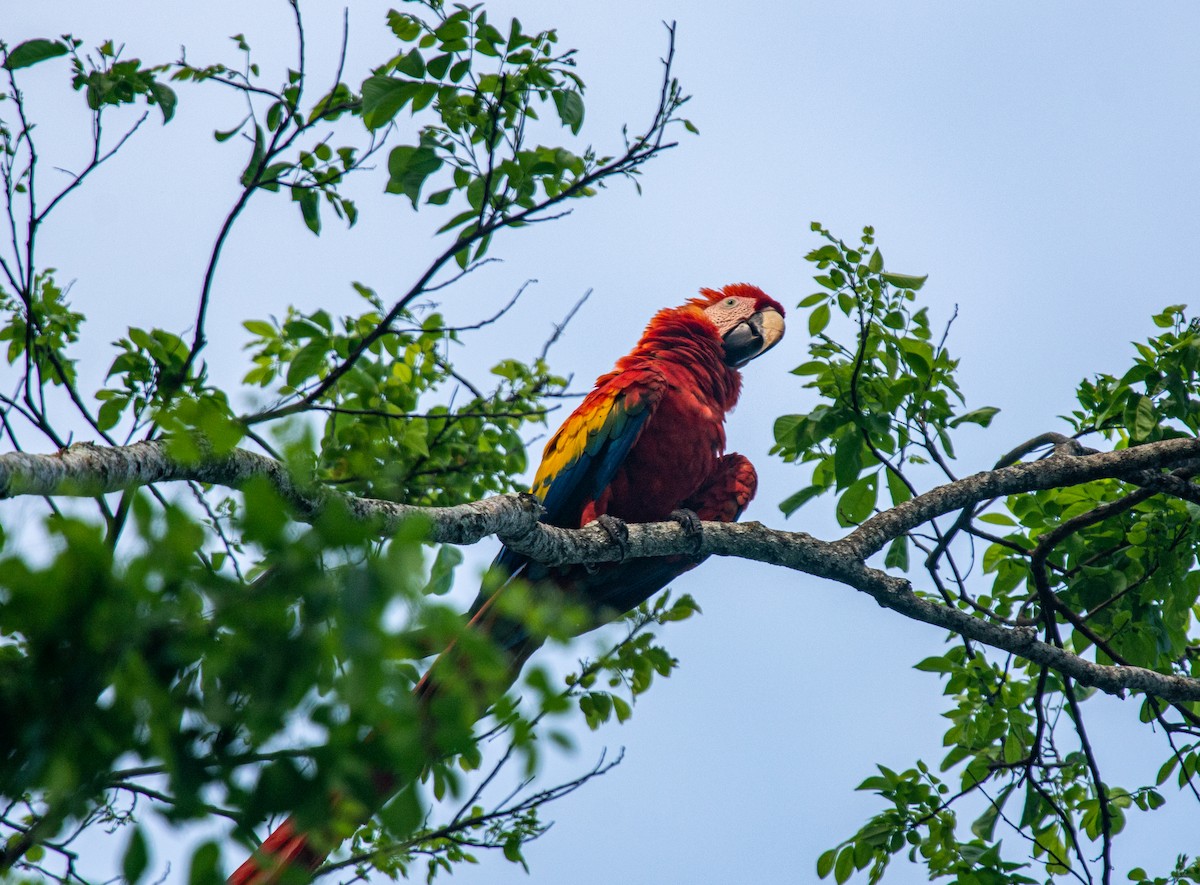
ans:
(729, 311)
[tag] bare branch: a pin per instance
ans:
(559, 327)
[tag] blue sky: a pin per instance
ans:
(1038, 161)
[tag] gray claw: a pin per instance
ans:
(690, 523)
(617, 531)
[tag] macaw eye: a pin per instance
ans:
(730, 302)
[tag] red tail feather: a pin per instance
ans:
(284, 850)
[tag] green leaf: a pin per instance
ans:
(622, 709)
(137, 857)
(110, 413)
(823, 253)
(250, 175)
(982, 416)
(858, 501)
(812, 367)
(794, 502)
(896, 488)
(1140, 417)
(261, 328)
(570, 109)
(935, 664)
(33, 51)
(412, 64)
(403, 813)
(166, 99)
(405, 27)
(441, 573)
(205, 865)
(818, 320)
(304, 364)
(512, 851)
(438, 66)
(985, 825)
(825, 863)
(844, 865)
(905, 281)
(1166, 319)
(897, 554)
(1167, 768)
(847, 459)
(223, 135)
(408, 167)
(383, 97)
(310, 208)
(785, 427)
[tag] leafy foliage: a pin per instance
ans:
(208, 654)
(887, 399)
(378, 440)
(1103, 569)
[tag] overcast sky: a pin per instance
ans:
(1038, 161)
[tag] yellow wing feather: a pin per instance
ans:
(602, 418)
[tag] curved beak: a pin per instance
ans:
(753, 337)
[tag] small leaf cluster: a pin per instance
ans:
(40, 329)
(508, 825)
(276, 125)
(887, 395)
(1156, 397)
(634, 663)
(1186, 872)
(921, 824)
(149, 369)
(105, 79)
(153, 382)
(108, 81)
(389, 431)
(479, 118)
(1133, 576)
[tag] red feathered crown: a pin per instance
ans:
(737, 290)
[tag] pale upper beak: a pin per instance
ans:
(753, 337)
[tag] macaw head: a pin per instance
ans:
(749, 321)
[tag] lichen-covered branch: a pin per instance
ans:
(1054, 472)
(85, 469)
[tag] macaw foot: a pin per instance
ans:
(617, 531)
(690, 523)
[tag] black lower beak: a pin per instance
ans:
(753, 337)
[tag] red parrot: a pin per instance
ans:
(646, 445)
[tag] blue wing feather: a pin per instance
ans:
(599, 451)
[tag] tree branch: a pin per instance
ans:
(1053, 472)
(88, 470)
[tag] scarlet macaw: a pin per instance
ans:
(646, 445)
